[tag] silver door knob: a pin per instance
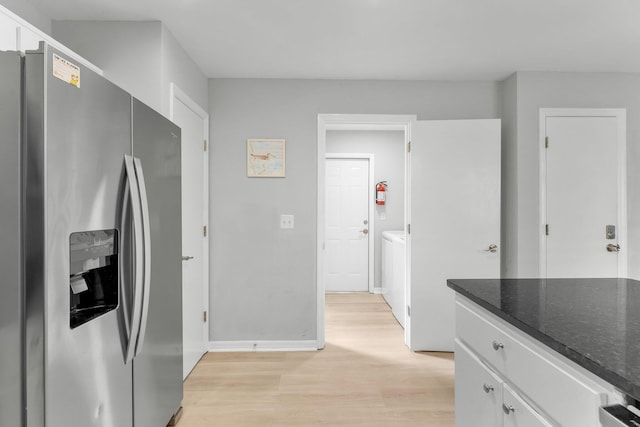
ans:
(497, 345)
(492, 248)
(508, 409)
(613, 248)
(186, 258)
(365, 231)
(365, 222)
(488, 388)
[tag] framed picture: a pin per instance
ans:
(265, 158)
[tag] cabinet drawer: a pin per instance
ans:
(478, 391)
(565, 396)
(482, 337)
(518, 413)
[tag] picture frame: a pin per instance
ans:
(266, 158)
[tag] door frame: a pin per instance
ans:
(344, 122)
(370, 208)
(621, 116)
(176, 94)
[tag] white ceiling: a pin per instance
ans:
(386, 39)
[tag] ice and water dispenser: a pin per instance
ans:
(93, 277)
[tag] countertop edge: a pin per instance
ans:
(595, 368)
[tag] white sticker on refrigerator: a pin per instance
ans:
(66, 71)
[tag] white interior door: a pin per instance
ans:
(347, 239)
(194, 241)
(584, 195)
(454, 217)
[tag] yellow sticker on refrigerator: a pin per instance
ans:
(66, 71)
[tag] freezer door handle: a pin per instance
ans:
(147, 254)
(138, 238)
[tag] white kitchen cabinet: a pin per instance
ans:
(483, 399)
(541, 386)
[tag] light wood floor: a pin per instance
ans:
(364, 377)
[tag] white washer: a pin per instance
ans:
(386, 267)
(393, 272)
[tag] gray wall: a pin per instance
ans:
(263, 279)
(388, 149)
(179, 68)
(142, 57)
(128, 52)
(25, 10)
(509, 189)
(537, 90)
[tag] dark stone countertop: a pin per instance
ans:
(594, 322)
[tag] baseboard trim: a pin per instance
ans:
(247, 346)
(379, 291)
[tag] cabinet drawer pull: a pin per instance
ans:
(497, 345)
(487, 388)
(508, 409)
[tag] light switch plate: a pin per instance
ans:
(286, 221)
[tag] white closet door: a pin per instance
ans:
(194, 217)
(583, 197)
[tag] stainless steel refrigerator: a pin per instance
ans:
(90, 258)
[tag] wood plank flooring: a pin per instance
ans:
(364, 377)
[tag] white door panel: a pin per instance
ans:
(347, 210)
(193, 240)
(454, 214)
(582, 172)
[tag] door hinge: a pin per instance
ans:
(546, 229)
(409, 311)
(409, 147)
(546, 142)
(408, 228)
(205, 145)
(204, 231)
(204, 316)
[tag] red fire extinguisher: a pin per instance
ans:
(381, 192)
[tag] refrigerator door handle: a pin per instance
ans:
(136, 213)
(147, 253)
(124, 278)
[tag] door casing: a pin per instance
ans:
(344, 122)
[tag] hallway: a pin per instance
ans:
(364, 377)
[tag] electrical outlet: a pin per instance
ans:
(286, 221)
